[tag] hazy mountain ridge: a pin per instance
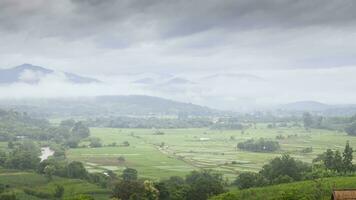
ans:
(28, 73)
(319, 108)
(120, 105)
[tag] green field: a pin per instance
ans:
(19, 180)
(189, 149)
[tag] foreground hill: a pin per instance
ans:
(319, 190)
(20, 181)
(136, 105)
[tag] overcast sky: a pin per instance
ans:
(272, 38)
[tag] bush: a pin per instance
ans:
(249, 179)
(8, 196)
(260, 145)
(38, 194)
(58, 191)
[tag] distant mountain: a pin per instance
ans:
(245, 77)
(131, 105)
(145, 81)
(32, 74)
(306, 106)
(178, 81)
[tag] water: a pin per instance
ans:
(45, 153)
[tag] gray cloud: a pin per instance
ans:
(117, 37)
(77, 18)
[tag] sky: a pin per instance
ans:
(279, 50)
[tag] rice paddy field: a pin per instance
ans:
(179, 151)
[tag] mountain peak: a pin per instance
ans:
(27, 66)
(15, 74)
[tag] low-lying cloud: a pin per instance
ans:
(244, 91)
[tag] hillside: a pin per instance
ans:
(136, 105)
(18, 181)
(318, 190)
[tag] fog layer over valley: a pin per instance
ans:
(239, 91)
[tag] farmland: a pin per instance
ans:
(176, 152)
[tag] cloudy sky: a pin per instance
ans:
(294, 49)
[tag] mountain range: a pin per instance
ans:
(28, 73)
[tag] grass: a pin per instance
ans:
(189, 149)
(319, 189)
(19, 180)
(146, 158)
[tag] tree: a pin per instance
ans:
(284, 166)
(307, 120)
(329, 159)
(49, 170)
(72, 142)
(80, 130)
(25, 156)
(177, 187)
(351, 129)
(68, 123)
(249, 179)
(95, 142)
(10, 145)
(76, 169)
(163, 191)
(2, 188)
(3, 157)
(260, 145)
(58, 191)
(204, 184)
(151, 193)
(129, 174)
(127, 190)
(347, 158)
(338, 164)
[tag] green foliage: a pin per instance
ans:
(129, 174)
(126, 190)
(8, 196)
(2, 188)
(249, 179)
(58, 191)
(76, 169)
(177, 188)
(151, 193)
(307, 120)
(95, 142)
(80, 197)
(284, 168)
(39, 194)
(49, 170)
(204, 184)
(347, 158)
(80, 130)
(351, 129)
(260, 145)
(307, 150)
(3, 158)
(339, 163)
(25, 156)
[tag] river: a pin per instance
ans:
(45, 153)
